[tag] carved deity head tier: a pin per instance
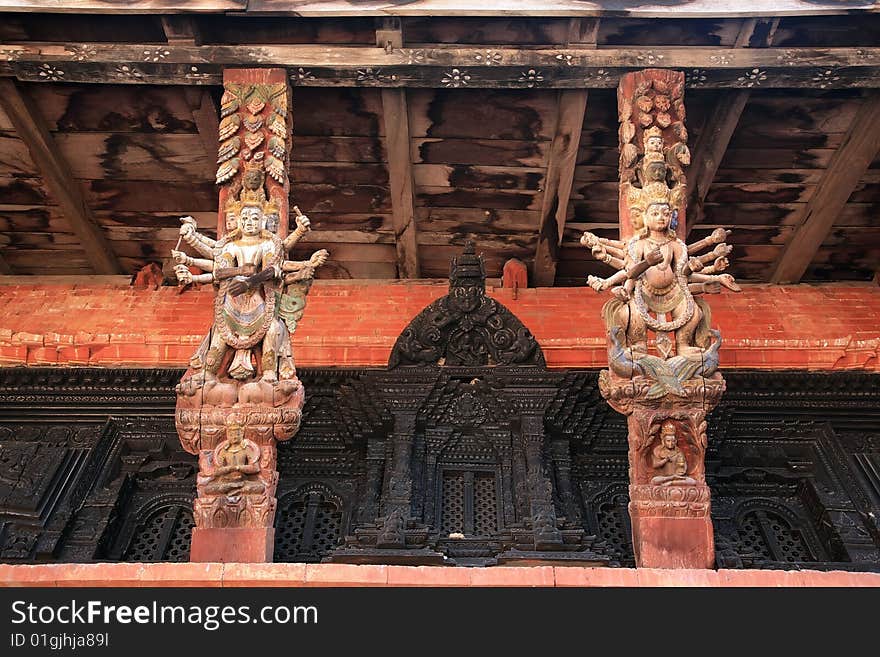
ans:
(251, 204)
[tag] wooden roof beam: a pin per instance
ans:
(5, 268)
(721, 122)
(572, 105)
(492, 8)
(181, 30)
(389, 35)
(557, 184)
(860, 146)
(570, 67)
(32, 130)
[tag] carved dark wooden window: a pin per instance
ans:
(469, 503)
(614, 529)
(771, 537)
(308, 527)
(164, 536)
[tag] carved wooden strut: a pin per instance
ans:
(241, 393)
(657, 290)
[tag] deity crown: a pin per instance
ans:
(653, 193)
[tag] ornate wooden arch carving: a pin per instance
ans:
(465, 327)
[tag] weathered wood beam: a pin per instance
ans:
(389, 36)
(32, 130)
(181, 30)
(557, 185)
(572, 105)
(721, 122)
(490, 8)
(849, 163)
(207, 120)
(565, 67)
(5, 268)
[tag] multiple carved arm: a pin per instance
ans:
(709, 265)
(295, 270)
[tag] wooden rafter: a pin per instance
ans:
(847, 167)
(721, 122)
(572, 105)
(181, 30)
(55, 171)
(347, 8)
(400, 171)
(558, 182)
(207, 120)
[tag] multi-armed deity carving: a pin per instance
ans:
(241, 393)
(657, 291)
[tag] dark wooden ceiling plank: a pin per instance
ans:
(558, 183)
(721, 123)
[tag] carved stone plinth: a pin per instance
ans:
(669, 499)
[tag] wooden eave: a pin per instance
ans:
(427, 8)
(413, 135)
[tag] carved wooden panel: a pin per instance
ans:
(92, 470)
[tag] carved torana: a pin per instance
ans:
(241, 393)
(466, 327)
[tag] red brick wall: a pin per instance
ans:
(355, 323)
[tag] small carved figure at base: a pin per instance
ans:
(669, 461)
(236, 464)
(393, 530)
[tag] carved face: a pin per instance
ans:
(670, 441)
(654, 144)
(658, 216)
(683, 154)
(250, 220)
(253, 179)
(234, 434)
(656, 172)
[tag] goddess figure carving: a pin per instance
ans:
(658, 279)
(260, 295)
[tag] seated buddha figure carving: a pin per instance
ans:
(235, 466)
(668, 461)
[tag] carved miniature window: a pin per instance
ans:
(164, 536)
(469, 503)
(308, 528)
(771, 537)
